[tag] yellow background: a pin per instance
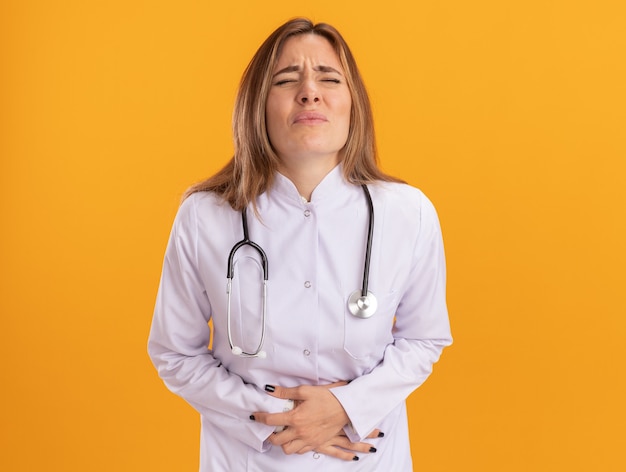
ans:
(510, 115)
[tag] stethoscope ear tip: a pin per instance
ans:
(237, 350)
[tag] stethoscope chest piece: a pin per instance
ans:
(362, 306)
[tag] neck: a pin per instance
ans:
(307, 174)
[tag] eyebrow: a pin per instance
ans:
(316, 68)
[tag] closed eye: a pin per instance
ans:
(284, 81)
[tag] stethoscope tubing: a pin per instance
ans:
(246, 242)
(368, 248)
(229, 277)
(361, 303)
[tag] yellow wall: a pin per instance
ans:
(510, 115)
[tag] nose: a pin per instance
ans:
(305, 99)
(308, 93)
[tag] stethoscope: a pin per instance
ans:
(362, 303)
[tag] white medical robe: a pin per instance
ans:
(315, 257)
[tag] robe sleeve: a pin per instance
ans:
(179, 339)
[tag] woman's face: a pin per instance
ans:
(308, 106)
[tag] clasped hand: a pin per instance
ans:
(315, 423)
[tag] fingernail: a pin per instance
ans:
(252, 417)
(381, 435)
(270, 388)
(372, 449)
(355, 458)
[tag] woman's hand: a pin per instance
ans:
(342, 448)
(317, 418)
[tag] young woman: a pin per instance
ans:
(331, 309)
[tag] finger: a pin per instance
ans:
(272, 419)
(305, 449)
(297, 447)
(297, 393)
(284, 437)
(285, 393)
(333, 451)
(345, 443)
(377, 433)
(292, 447)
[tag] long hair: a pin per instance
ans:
(251, 170)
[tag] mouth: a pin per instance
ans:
(309, 118)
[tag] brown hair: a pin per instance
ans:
(251, 170)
